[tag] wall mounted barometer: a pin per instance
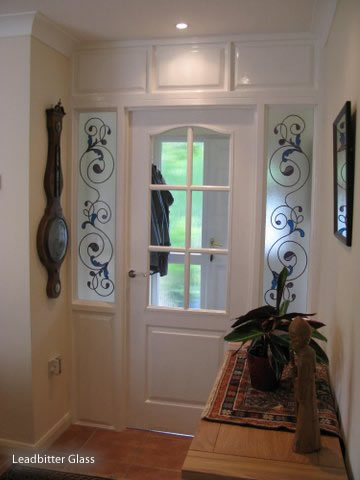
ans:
(52, 235)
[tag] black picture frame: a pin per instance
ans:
(343, 149)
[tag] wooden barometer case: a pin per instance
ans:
(52, 235)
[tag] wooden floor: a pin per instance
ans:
(232, 452)
(132, 454)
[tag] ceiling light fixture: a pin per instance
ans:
(181, 26)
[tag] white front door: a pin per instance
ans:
(192, 223)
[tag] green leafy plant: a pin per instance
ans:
(267, 329)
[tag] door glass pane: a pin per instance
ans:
(168, 218)
(211, 152)
(198, 163)
(195, 283)
(170, 155)
(209, 220)
(167, 285)
(196, 219)
(208, 281)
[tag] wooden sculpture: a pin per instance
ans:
(307, 435)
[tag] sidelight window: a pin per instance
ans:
(96, 182)
(288, 203)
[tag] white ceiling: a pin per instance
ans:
(100, 20)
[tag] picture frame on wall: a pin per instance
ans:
(343, 174)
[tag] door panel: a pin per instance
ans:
(177, 321)
(164, 367)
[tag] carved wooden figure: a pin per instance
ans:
(307, 435)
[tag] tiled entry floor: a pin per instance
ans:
(131, 454)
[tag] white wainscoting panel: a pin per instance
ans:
(111, 69)
(93, 361)
(274, 65)
(196, 349)
(190, 67)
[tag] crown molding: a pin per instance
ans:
(209, 39)
(40, 27)
(323, 16)
(16, 25)
(50, 33)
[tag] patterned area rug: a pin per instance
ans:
(233, 400)
(28, 473)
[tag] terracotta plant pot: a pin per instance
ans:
(262, 375)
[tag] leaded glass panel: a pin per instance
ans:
(288, 202)
(96, 206)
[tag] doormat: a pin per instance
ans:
(233, 400)
(19, 472)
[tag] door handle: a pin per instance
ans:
(214, 244)
(133, 274)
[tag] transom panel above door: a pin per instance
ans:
(192, 226)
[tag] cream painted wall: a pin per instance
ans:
(340, 265)
(15, 343)
(50, 80)
(33, 328)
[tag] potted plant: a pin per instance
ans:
(267, 328)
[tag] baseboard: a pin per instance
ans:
(94, 425)
(51, 435)
(9, 446)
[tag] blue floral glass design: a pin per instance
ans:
(96, 167)
(289, 174)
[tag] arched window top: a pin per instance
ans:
(192, 155)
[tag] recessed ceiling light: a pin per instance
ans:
(181, 26)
